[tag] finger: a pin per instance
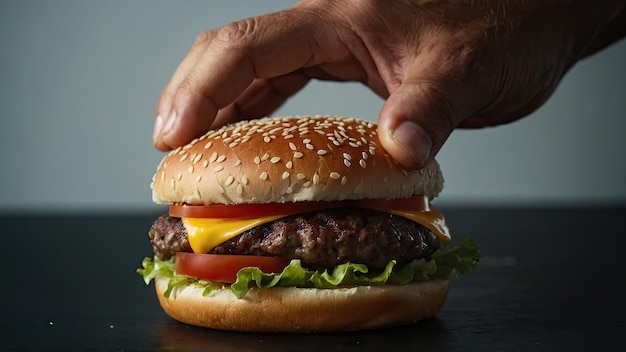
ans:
(198, 48)
(416, 120)
(261, 47)
(262, 98)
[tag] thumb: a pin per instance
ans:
(416, 120)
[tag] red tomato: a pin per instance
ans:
(416, 203)
(222, 267)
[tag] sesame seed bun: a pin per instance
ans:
(288, 159)
(290, 309)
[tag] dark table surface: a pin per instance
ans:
(551, 279)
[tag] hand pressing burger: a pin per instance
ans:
(297, 224)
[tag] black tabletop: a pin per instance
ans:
(551, 279)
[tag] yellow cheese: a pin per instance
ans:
(207, 233)
(432, 220)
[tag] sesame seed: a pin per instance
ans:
(307, 184)
(184, 157)
(205, 163)
(198, 178)
(244, 179)
(363, 163)
(191, 169)
(309, 146)
(285, 175)
(353, 144)
(267, 139)
(298, 155)
(239, 189)
(344, 180)
(218, 168)
(347, 162)
(257, 160)
(179, 176)
(364, 155)
(337, 143)
(265, 156)
(335, 175)
(214, 134)
(238, 162)
(213, 157)
(221, 158)
(263, 176)
(289, 190)
(233, 145)
(306, 141)
(289, 164)
(300, 176)
(289, 136)
(316, 178)
(321, 152)
(221, 189)
(275, 159)
(292, 146)
(229, 180)
(197, 158)
(347, 156)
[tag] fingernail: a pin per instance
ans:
(169, 123)
(158, 125)
(414, 141)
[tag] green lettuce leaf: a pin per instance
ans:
(445, 264)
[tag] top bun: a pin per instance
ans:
(288, 159)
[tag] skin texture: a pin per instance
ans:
(439, 64)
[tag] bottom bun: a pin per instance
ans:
(291, 309)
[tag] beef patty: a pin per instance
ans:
(320, 239)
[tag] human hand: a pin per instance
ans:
(439, 65)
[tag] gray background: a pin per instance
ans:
(79, 82)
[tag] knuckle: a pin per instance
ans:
(203, 39)
(238, 32)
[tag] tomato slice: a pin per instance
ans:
(222, 267)
(415, 203)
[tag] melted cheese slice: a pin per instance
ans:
(432, 220)
(205, 234)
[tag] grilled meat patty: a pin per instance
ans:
(319, 239)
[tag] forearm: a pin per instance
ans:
(600, 24)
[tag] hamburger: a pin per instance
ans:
(299, 224)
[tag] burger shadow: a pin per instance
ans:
(426, 335)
